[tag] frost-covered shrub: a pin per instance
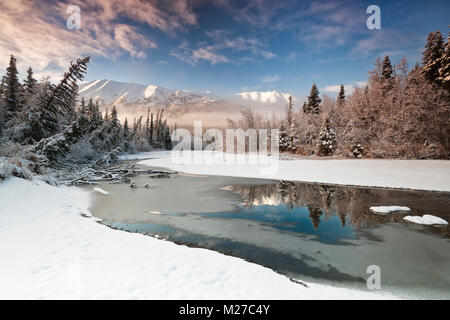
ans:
(14, 167)
(110, 157)
(50, 179)
(82, 151)
(356, 150)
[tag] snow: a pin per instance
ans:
(264, 96)
(100, 190)
(50, 251)
(426, 219)
(87, 86)
(388, 209)
(408, 174)
(123, 93)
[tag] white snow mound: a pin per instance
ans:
(389, 209)
(426, 219)
(97, 189)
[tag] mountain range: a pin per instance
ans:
(132, 99)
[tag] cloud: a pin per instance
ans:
(317, 24)
(220, 41)
(35, 31)
(382, 41)
(347, 87)
(127, 38)
(208, 55)
(270, 79)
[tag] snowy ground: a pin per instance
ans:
(431, 175)
(49, 251)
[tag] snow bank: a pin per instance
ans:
(409, 174)
(388, 209)
(426, 219)
(49, 251)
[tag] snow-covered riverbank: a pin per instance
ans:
(50, 251)
(433, 175)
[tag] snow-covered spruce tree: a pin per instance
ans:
(56, 147)
(126, 129)
(341, 97)
(12, 89)
(327, 140)
(305, 107)
(61, 99)
(28, 87)
(313, 104)
(151, 130)
(90, 108)
(51, 107)
(2, 114)
(147, 123)
(283, 140)
(293, 139)
(386, 74)
(444, 70)
(96, 116)
(167, 137)
(83, 109)
(106, 117)
(115, 135)
(432, 56)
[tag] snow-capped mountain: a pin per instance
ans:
(109, 92)
(133, 98)
(266, 97)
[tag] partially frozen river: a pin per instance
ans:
(313, 232)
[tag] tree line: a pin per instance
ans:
(48, 119)
(401, 112)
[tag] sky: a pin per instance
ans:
(220, 46)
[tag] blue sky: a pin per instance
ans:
(223, 46)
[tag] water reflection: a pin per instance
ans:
(349, 204)
(316, 232)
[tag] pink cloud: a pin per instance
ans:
(35, 31)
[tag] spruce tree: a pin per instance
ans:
(341, 96)
(126, 129)
(83, 108)
(305, 107)
(50, 109)
(293, 139)
(444, 70)
(327, 140)
(386, 69)
(115, 136)
(167, 138)
(432, 56)
(96, 119)
(106, 118)
(90, 108)
(114, 122)
(12, 89)
(61, 99)
(28, 87)
(152, 128)
(313, 105)
(386, 75)
(284, 140)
